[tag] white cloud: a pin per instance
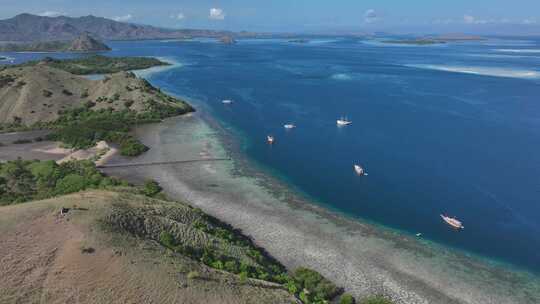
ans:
(123, 18)
(370, 16)
(51, 14)
(529, 21)
(217, 14)
(469, 19)
(444, 21)
(178, 16)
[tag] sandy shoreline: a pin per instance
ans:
(364, 259)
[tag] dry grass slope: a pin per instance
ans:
(37, 93)
(51, 258)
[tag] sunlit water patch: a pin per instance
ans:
(341, 76)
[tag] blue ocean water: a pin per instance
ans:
(451, 128)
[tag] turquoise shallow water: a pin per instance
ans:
(440, 129)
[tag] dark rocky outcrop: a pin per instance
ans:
(85, 43)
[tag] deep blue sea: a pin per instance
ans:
(451, 128)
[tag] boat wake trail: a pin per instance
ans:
(524, 51)
(477, 70)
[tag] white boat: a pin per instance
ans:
(452, 222)
(359, 170)
(343, 122)
(270, 139)
(289, 126)
(419, 234)
(227, 101)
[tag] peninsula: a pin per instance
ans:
(50, 94)
(111, 240)
(82, 222)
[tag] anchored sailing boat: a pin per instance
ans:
(359, 170)
(343, 122)
(289, 126)
(452, 222)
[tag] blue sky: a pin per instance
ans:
(302, 15)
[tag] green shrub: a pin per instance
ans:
(81, 128)
(17, 184)
(231, 266)
(319, 287)
(22, 181)
(291, 287)
(217, 265)
(67, 92)
(132, 147)
(347, 299)
(44, 170)
(376, 300)
(243, 276)
(69, 184)
(151, 188)
(89, 104)
(192, 275)
(167, 240)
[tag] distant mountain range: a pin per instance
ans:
(83, 43)
(28, 27)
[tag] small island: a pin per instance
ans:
(436, 39)
(2, 58)
(415, 41)
(83, 43)
(227, 40)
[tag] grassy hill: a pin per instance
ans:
(98, 64)
(49, 94)
(45, 213)
(38, 93)
(107, 249)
